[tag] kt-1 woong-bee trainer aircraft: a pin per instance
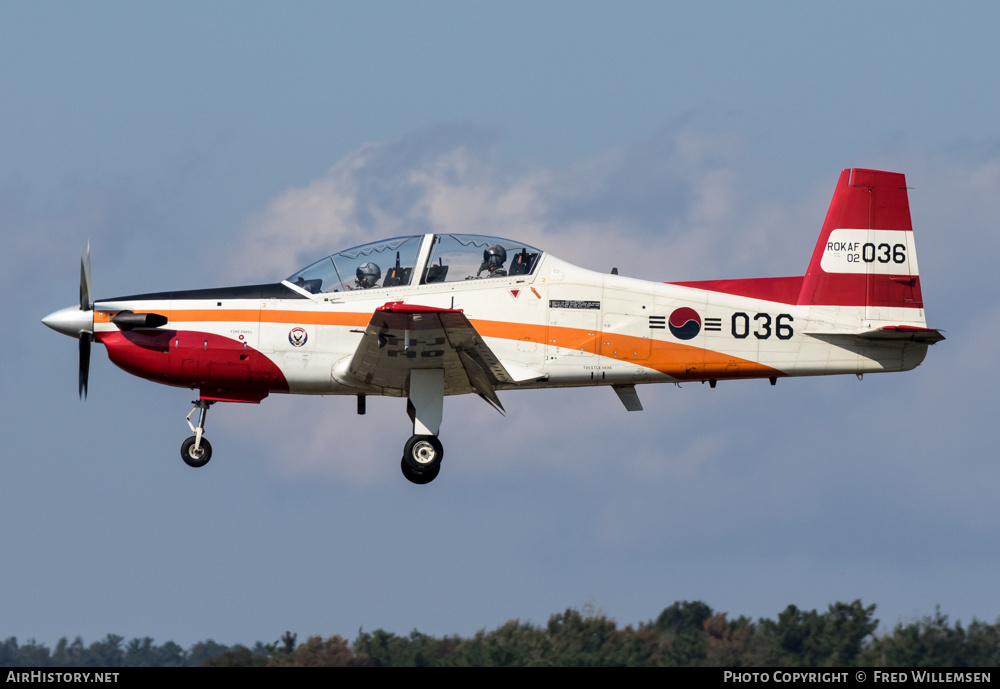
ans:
(427, 316)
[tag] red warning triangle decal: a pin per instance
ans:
(514, 292)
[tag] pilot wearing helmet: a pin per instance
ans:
(493, 259)
(367, 275)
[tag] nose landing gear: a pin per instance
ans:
(196, 450)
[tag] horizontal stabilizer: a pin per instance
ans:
(887, 333)
(906, 333)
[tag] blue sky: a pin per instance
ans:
(206, 144)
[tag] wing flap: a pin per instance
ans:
(479, 380)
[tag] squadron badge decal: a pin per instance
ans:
(297, 337)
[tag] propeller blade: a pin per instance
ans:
(85, 304)
(84, 363)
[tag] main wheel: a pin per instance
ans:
(423, 453)
(419, 477)
(197, 458)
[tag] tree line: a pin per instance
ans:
(686, 634)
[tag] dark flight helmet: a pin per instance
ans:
(493, 258)
(367, 275)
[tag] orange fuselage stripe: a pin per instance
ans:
(265, 315)
(672, 358)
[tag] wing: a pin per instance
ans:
(403, 337)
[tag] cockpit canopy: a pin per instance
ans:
(438, 258)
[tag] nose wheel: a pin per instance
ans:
(422, 457)
(196, 456)
(196, 450)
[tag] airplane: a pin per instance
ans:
(431, 315)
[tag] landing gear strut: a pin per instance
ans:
(422, 453)
(196, 450)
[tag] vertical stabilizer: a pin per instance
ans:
(865, 254)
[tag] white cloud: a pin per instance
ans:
(314, 220)
(669, 208)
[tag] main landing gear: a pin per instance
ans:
(421, 461)
(422, 453)
(196, 450)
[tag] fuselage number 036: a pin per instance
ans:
(763, 326)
